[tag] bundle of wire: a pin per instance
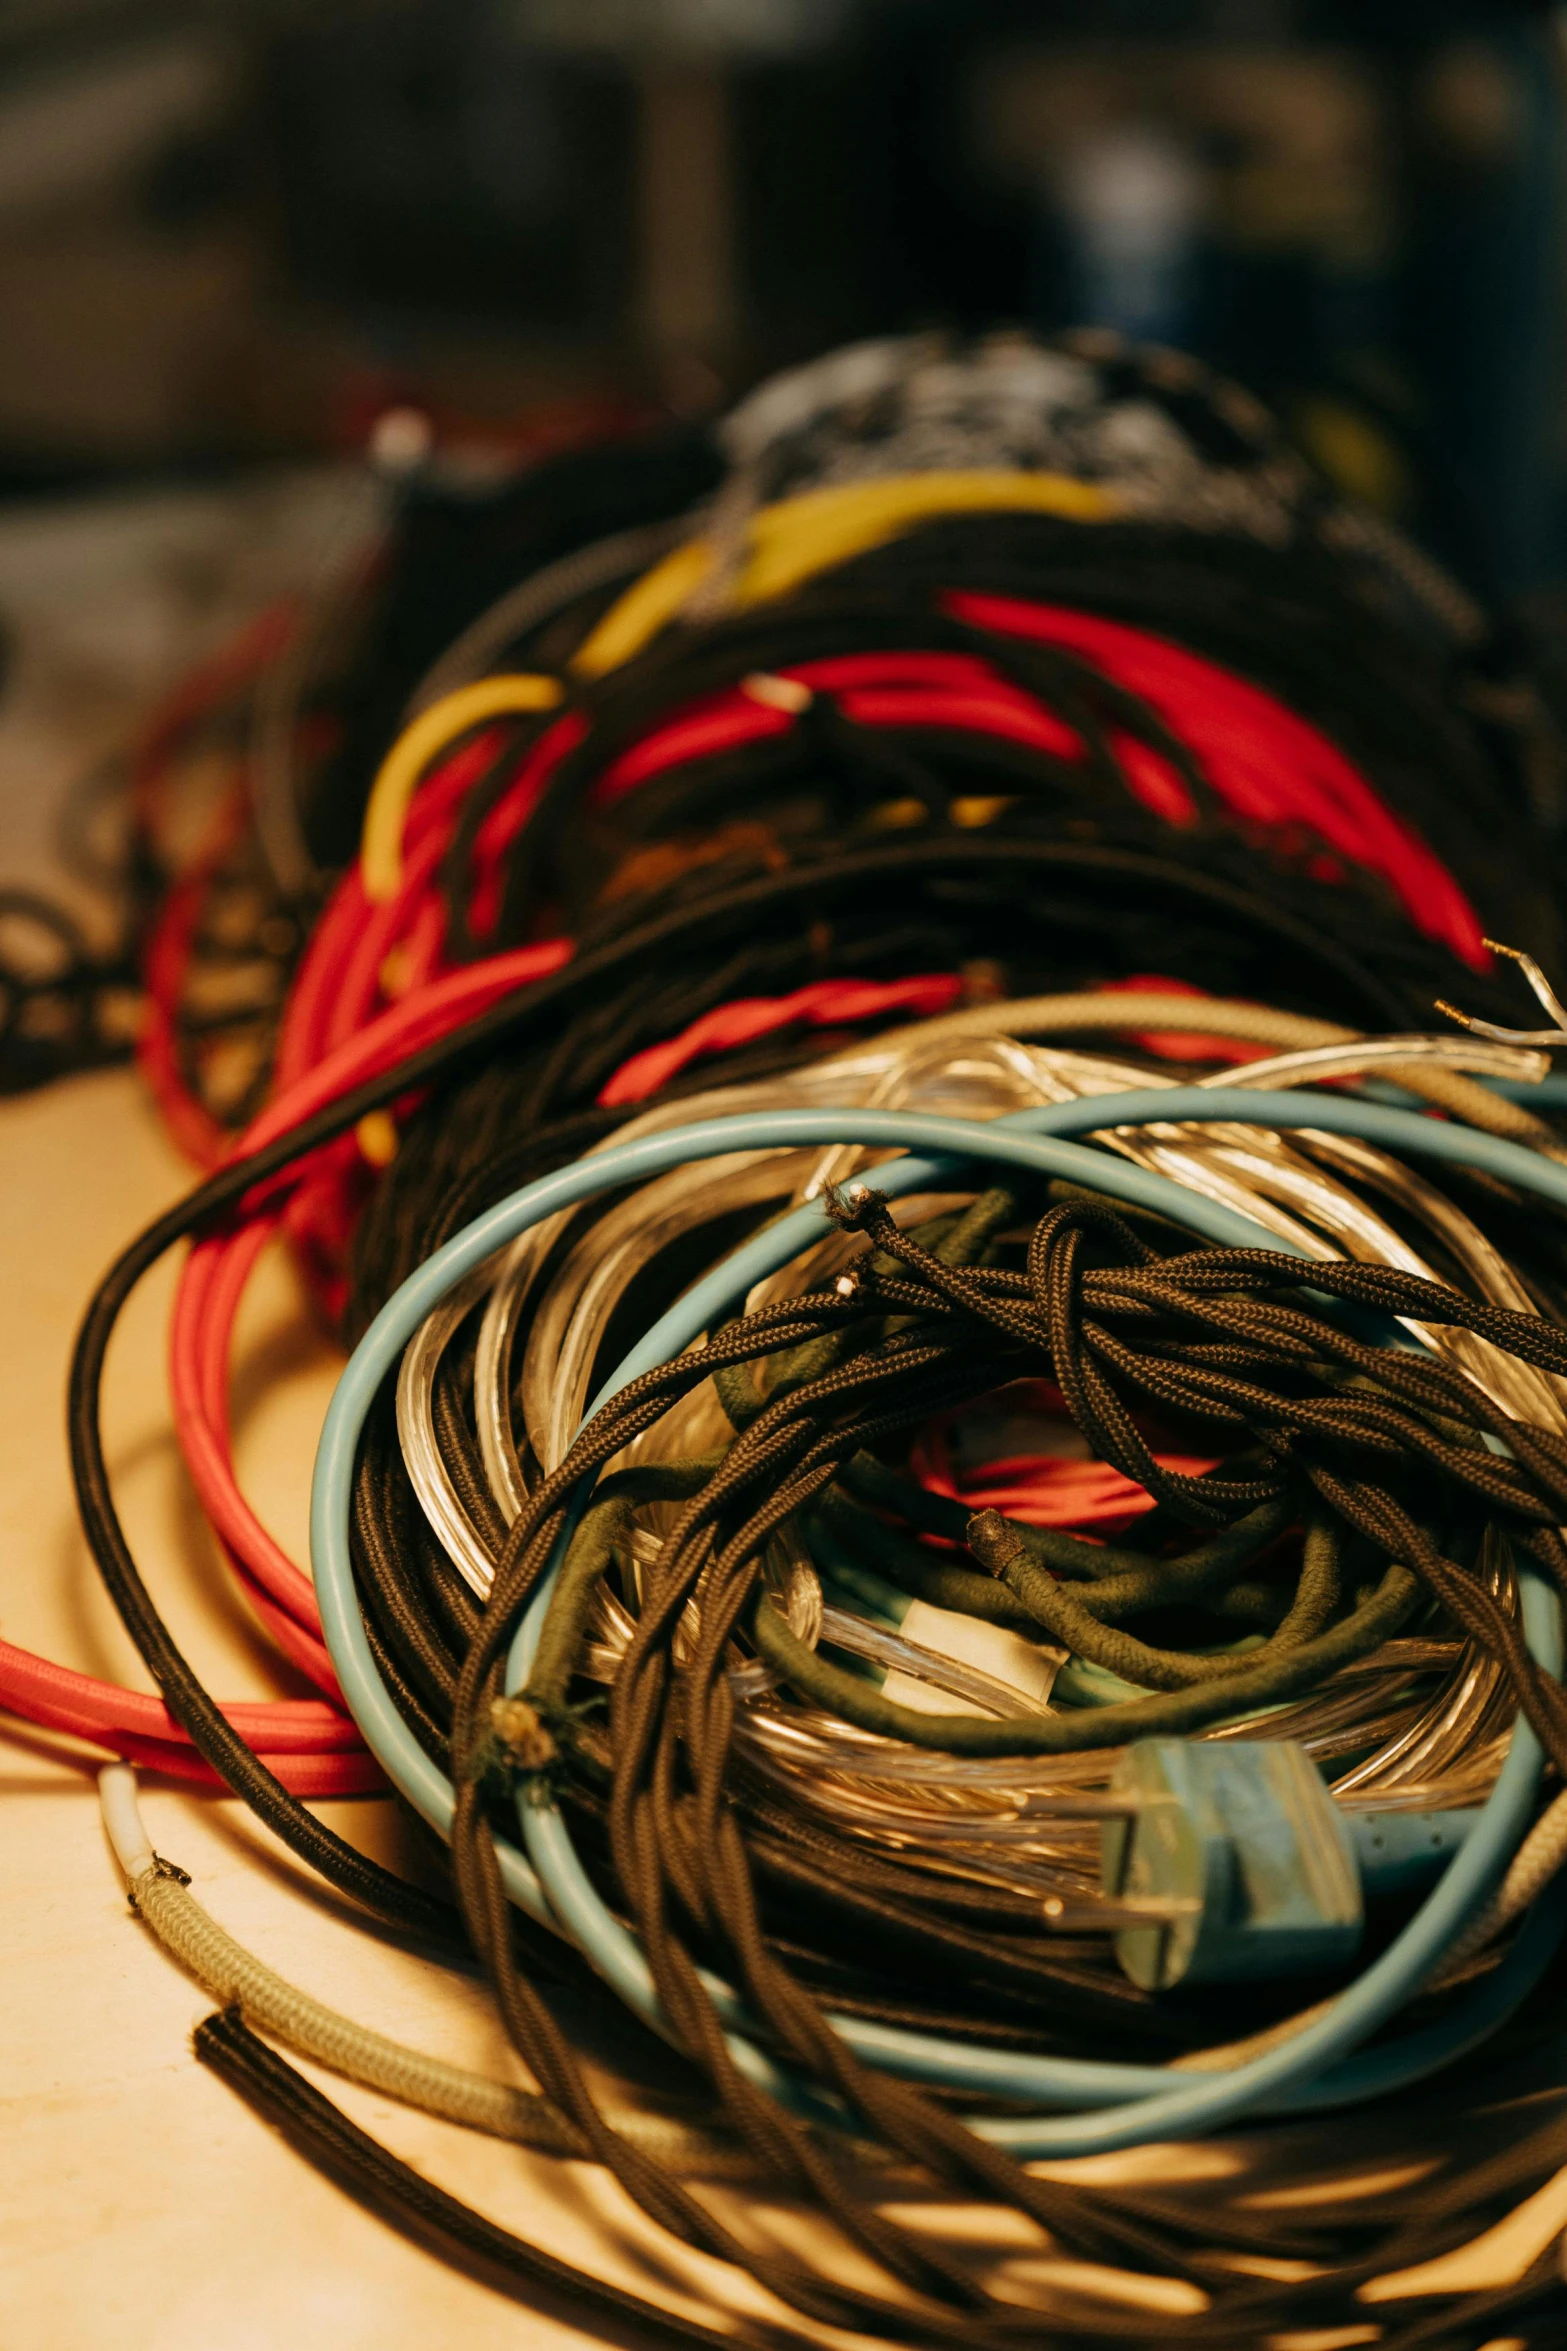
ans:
(752, 1105)
(202, 857)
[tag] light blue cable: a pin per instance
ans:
(1029, 1139)
(1392, 2065)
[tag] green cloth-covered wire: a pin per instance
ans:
(1161, 1714)
(1064, 1616)
(605, 1525)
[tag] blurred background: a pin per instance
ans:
(237, 230)
(276, 275)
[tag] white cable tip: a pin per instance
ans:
(401, 440)
(776, 693)
(122, 1820)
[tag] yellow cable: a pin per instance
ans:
(789, 543)
(801, 536)
(646, 607)
(786, 545)
(432, 732)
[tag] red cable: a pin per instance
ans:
(320, 1774)
(312, 1746)
(1264, 760)
(1266, 765)
(1043, 1489)
(822, 1004)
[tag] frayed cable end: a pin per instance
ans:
(854, 1207)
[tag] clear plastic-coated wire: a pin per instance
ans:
(555, 1378)
(1033, 1140)
(509, 1281)
(1415, 1743)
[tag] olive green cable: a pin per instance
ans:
(1171, 1583)
(1069, 1622)
(1124, 1580)
(605, 1525)
(923, 1574)
(1161, 1714)
(972, 1232)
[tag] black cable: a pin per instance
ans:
(396, 2193)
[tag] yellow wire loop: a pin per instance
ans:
(648, 605)
(801, 536)
(791, 542)
(432, 732)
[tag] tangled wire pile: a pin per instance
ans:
(939, 1330)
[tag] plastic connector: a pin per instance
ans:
(1246, 1833)
(1258, 1871)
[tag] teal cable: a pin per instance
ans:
(1393, 2064)
(1031, 1139)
